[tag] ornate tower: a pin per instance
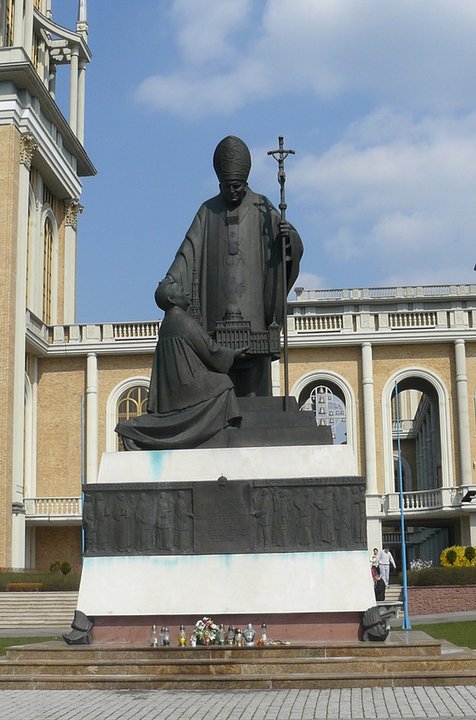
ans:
(42, 159)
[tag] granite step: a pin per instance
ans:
(122, 651)
(52, 665)
(257, 667)
(233, 682)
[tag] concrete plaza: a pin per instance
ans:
(405, 702)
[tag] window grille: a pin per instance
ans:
(132, 403)
(328, 409)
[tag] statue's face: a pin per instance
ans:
(233, 192)
(181, 299)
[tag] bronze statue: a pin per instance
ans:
(231, 264)
(191, 397)
(224, 297)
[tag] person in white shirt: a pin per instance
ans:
(385, 559)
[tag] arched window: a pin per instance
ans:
(126, 401)
(423, 429)
(131, 404)
(332, 400)
(329, 409)
(48, 239)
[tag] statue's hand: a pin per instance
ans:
(285, 234)
(284, 229)
(241, 352)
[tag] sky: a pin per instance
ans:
(377, 99)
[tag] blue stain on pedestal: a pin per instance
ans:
(156, 459)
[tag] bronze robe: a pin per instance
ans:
(246, 237)
(191, 398)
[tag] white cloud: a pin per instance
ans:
(416, 54)
(308, 281)
(204, 28)
(400, 200)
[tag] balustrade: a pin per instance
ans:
(412, 320)
(318, 323)
(422, 500)
(53, 506)
(124, 331)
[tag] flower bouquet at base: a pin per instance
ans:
(206, 632)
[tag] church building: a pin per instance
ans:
(392, 371)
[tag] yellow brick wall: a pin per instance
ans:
(58, 543)
(61, 384)
(9, 179)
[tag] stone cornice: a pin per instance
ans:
(16, 68)
(50, 159)
(302, 340)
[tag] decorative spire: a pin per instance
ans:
(82, 23)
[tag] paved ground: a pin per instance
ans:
(354, 704)
(417, 702)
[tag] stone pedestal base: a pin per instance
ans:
(274, 535)
(285, 627)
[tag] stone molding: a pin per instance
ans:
(28, 146)
(73, 209)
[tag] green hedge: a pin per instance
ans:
(50, 581)
(442, 576)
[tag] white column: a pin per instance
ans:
(73, 89)
(463, 416)
(468, 529)
(424, 433)
(52, 80)
(72, 210)
(31, 418)
(418, 482)
(27, 148)
(18, 535)
(92, 418)
(28, 27)
(369, 418)
(18, 24)
(81, 99)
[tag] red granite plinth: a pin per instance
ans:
(294, 628)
